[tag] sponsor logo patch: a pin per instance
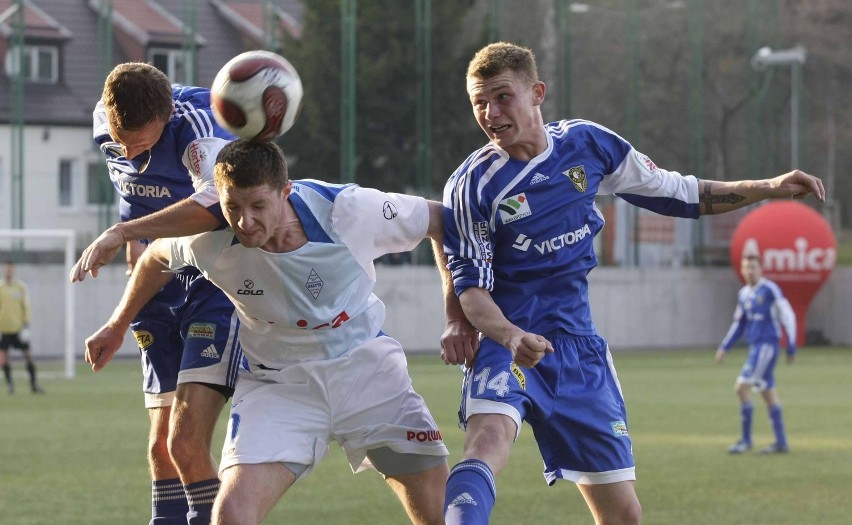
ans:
(196, 157)
(144, 339)
(480, 234)
(424, 436)
(314, 283)
(519, 375)
(143, 190)
(577, 174)
(522, 243)
(648, 163)
(514, 208)
(619, 428)
(201, 331)
(338, 320)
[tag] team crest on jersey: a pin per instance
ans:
(577, 174)
(519, 375)
(144, 338)
(314, 284)
(514, 208)
(619, 428)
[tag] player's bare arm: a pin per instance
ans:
(460, 340)
(724, 196)
(183, 218)
(527, 348)
(148, 278)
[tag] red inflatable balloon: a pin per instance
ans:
(797, 248)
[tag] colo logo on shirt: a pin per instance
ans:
(514, 208)
(249, 289)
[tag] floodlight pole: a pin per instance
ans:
(793, 57)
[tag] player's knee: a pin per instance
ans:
(228, 511)
(632, 513)
(492, 437)
(184, 450)
(158, 449)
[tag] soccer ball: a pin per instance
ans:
(256, 96)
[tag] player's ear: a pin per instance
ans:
(538, 89)
(288, 187)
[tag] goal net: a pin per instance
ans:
(43, 260)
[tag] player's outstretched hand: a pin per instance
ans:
(796, 185)
(99, 253)
(720, 355)
(103, 345)
(529, 349)
(459, 343)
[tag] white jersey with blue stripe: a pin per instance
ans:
(762, 312)
(524, 230)
(317, 301)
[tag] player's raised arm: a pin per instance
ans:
(148, 277)
(181, 219)
(723, 196)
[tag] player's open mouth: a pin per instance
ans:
(500, 129)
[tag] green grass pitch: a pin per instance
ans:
(77, 454)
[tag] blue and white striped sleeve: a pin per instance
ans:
(467, 235)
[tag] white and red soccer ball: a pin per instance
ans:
(256, 96)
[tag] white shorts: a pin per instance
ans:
(363, 400)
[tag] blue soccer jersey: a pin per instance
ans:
(189, 325)
(762, 313)
(524, 230)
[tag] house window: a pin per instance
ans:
(41, 63)
(98, 186)
(172, 62)
(66, 187)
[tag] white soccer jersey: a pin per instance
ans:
(315, 302)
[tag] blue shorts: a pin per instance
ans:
(759, 368)
(571, 399)
(196, 343)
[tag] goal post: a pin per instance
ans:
(11, 242)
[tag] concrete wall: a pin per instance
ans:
(633, 308)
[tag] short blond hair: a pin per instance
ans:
(498, 57)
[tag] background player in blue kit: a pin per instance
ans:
(160, 141)
(298, 264)
(762, 313)
(519, 236)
